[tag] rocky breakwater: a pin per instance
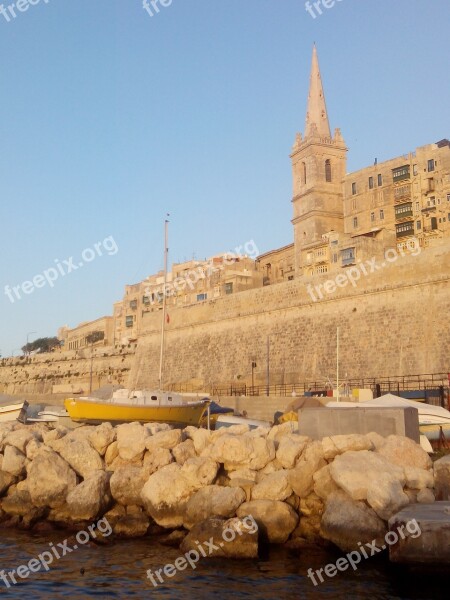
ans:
(193, 484)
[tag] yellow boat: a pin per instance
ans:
(143, 406)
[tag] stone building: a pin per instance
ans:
(96, 333)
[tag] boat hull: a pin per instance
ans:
(10, 413)
(87, 411)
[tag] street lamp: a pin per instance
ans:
(28, 335)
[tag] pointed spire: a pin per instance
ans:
(316, 116)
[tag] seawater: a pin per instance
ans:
(118, 570)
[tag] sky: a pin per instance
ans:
(111, 118)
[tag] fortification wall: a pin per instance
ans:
(394, 321)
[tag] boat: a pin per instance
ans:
(145, 406)
(227, 420)
(10, 410)
(126, 406)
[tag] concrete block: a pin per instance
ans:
(318, 423)
(430, 540)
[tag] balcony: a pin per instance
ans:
(404, 212)
(401, 173)
(402, 193)
(404, 229)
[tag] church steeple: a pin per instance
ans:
(316, 115)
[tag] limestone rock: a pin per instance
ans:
(290, 449)
(301, 478)
(127, 484)
(156, 459)
(243, 474)
(200, 437)
(102, 437)
(164, 439)
(154, 428)
(14, 462)
(213, 501)
(54, 434)
(312, 506)
(425, 496)
(112, 452)
(324, 484)
(346, 522)
(278, 431)
(133, 524)
(200, 471)
(377, 440)
(356, 472)
(418, 479)
(233, 538)
(273, 487)
(184, 451)
(78, 452)
(6, 480)
(272, 467)
(242, 451)
(33, 447)
(404, 452)
(119, 462)
(387, 497)
(90, 498)
(50, 479)
(338, 444)
(441, 470)
(166, 494)
(245, 484)
(232, 430)
(276, 520)
(131, 440)
(19, 439)
(18, 503)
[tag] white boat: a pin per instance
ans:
(431, 418)
(230, 420)
(9, 411)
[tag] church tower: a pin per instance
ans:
(318, 167)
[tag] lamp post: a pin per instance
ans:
(253, 377)
(28, 335)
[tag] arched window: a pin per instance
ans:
(304, 173)
(328, 170)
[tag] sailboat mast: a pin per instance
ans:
(163, 323)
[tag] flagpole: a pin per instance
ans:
(163, 324)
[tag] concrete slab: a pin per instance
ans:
(318, 423)
(432, 545)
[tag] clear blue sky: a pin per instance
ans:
(110, 118)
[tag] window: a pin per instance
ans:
(401, 173)
(403, 210)
(353, 188)
(380, 179)
(328, 170)
(415, 172)
(430, 165)
(354, 204)
(434, 223)
(129, 321)
(431, 201)
(145, 300)
(402, 191)
(348, 256)
(201, 297)
(417, 205)
(304, 172)
(419, 225)
(355, 222)
(229, 288)
(381, 214)
(448, 197)
(133, 304)
(290, 278)
(322, 269)
(370, 183)
(335, 258)
(372, 216)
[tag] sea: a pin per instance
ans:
(119, 570)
